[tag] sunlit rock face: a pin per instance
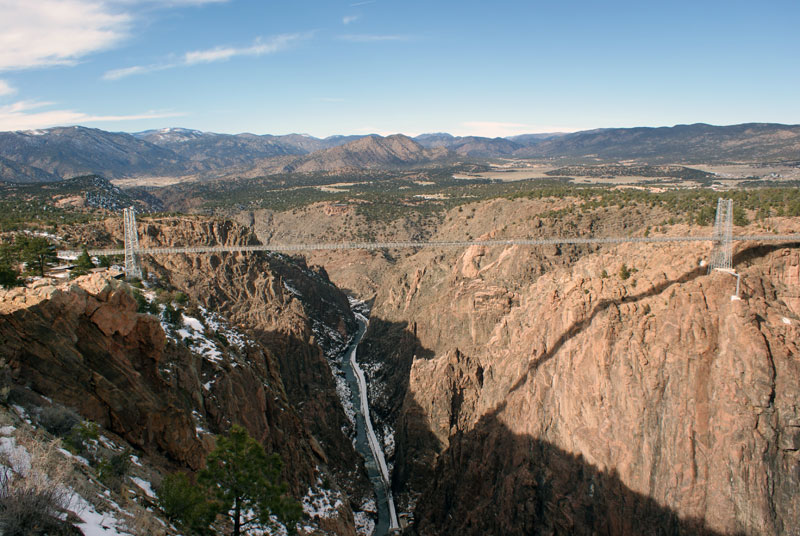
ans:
(554, 396)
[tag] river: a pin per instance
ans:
(367, 443)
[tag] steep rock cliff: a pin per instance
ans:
(134, 380)
(541, 392)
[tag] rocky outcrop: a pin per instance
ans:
(291, 309)
(85, 346)
(128, 377)
(571, 400)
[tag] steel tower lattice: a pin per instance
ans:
(132, 269)
(722, 254)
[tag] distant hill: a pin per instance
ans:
(63, 152)
(531, 139)
(90, 191)
(214, 151)
(204, 151)
(471, 146)
(370, 152)
(73, 151)
(11, 171)
(678, 144)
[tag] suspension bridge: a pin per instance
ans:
(722, 239)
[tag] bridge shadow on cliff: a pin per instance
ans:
(746, 255)
(602, 306)
(760, 250)
(491, 480)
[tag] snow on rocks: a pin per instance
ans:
(365, 518)
(365, 525)
(388, 441)
(95, 523)
(145, 486)
(291, 289)
(320, 502)
(206, 335)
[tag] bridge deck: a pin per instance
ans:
(432, 244)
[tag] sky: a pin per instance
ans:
(325, 67)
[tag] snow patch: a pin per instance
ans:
(365, 525)
(94, 522)
(321, 503)
(145, 485)
(388, 441)
(786, 321)
(291, 289)
(17, 456)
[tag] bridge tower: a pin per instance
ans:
(132, 269)
(722, 254)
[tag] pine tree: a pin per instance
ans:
(84, 261)
(246, 483)
(36, 252)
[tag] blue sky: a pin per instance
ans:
(323, 67)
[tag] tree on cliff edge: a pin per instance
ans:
(246, 483)
(36, 252)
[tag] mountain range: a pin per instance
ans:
(63, 152)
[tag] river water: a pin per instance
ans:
(367, 443)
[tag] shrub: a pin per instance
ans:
(624, 272)
(142, 306)
(9, 277)
(82, 439)
(84, 261)
(221, 338)
(113, 470)
(739, 216)
(28, 510)
(171, 316)
(185, 503)
(58, 420)
(33, 490)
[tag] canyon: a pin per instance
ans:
(513, 390)
(528, 391)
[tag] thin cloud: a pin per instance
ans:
(258, 48)
(347, 19)
(6, 89)
(500, 129)
(178, 3)
(20, 116)
(363, 3)
(56, 32)
(116, 74)
(222, 53)
(373, 38)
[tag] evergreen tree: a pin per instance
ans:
(36, 252)
(84, 261)
(186, 504)
(9, 258)
(246, 483)
(9, 277)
